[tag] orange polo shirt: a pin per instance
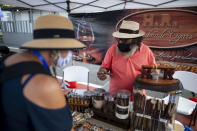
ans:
(124, 69)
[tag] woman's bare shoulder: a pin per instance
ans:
(45, 91)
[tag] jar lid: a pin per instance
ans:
(88, 93)
(99, 92)
(123, 94)
(96, 93)
(109, 96)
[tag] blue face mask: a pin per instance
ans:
(63, 61)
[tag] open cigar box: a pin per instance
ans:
(155, 99)
(78, 103)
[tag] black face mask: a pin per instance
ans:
(124, 47)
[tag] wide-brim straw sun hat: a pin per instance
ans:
(53, 32)
(128, 29)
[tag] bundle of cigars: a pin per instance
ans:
(153, 107)
(151, 114)
(77, 102)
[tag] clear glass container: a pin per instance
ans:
(122, 104)
(109, 106)
(98, 98)
(155, 102)
(88, 95)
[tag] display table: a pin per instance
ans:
(105, 125)
(177, 127)
(83, 86)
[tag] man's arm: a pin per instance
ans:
(106, 64)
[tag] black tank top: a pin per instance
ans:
(20, 114)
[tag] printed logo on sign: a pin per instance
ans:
(167, 28)
(163, 28)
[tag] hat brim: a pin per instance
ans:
(53, 44)
(117, 34)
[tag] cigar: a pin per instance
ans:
(162, 108)
(135, 102)
(144, 123)
(156, 125)
(153, 109)
(122, 102)
(131, 119)
(126, 101)
(134, 119)
(139, 125)
(118, 100)
(165, 115)
(78, 108)
(158, 108)
(143, 103)
(110, 74)
(78, 100)
(160, 126)
(136, 122)
(149, 124)
(73, 100)
(138, 103)
(147, 107)
(153, 125)
(173, 106)
(158, 105)
(169, 110)
(163, 126)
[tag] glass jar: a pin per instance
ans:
(99, 90)
(98, 99)
(155, 103)
(155, 74)
(109, 103)
(122, 104)
(88, 97)
(155, 98)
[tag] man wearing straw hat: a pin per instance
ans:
(31, 99)
(124, 59)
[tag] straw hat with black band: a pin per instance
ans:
(128, 29)
(53, 32)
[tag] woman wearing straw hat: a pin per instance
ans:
(31, 99)
(124, 59)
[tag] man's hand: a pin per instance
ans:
(102, 73)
